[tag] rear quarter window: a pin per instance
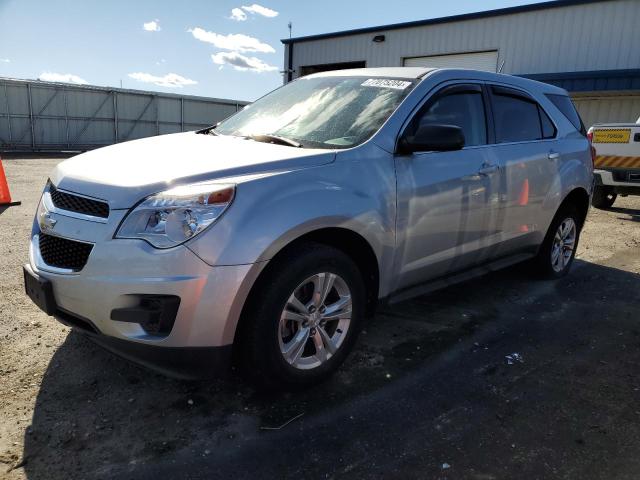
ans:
(568, 109)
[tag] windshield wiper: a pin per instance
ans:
(267, 138)
(209, 130)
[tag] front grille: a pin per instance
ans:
(75, 203)
(63, 253)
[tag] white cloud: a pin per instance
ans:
(152, 26)
(171, 80)
(242, 63)
(238, 15)
(62, 77)
(260, 10)
(235, 42)
(5, 60)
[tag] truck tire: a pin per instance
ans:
(303, 318)
(603, 197)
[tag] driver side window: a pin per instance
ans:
(462, 108)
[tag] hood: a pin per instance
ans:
(124, 173)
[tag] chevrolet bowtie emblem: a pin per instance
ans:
(47, 222)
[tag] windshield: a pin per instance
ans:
(321, 112)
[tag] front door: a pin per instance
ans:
(447, 201)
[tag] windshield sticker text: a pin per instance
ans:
(386, 83)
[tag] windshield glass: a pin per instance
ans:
(322, 112)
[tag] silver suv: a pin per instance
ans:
(270, 237)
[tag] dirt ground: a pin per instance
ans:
(433, 389)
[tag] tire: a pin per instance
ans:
(603, 197)
(551, 263)
(282, 310)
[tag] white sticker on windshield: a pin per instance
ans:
(386, 83)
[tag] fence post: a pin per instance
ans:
(6, 99)
(115, 116)
(66, 115)
(182, 114)
(33, 134)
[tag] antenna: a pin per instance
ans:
(290, 28)
(501, 65)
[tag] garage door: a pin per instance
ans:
(486, 61)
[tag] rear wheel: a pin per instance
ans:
(559, 247)
(303, 318)
(603, 197)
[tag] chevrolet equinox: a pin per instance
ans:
(270, 237)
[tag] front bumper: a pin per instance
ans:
(119, 272)
(187, 362)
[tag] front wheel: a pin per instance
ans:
(603, 197)
(559, 247)
(303, 318)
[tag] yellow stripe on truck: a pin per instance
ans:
(615, 161)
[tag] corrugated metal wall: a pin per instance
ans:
(50, 116)
(595, 36)
(608, 108)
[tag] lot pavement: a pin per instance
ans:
(434, 389)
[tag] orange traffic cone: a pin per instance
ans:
(5, 196)
(523, 198)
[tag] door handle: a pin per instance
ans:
(553, 155)
(488, 169)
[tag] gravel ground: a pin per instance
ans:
(428, 392)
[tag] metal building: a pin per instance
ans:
(589, 47)
(40, 116)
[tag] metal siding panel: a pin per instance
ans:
(577, 37)
(485, 61)
(169, 109)
(18, 99)
(204, 113)
(4, 130)
(131, 107)
(50, 132)
(608, 109)
(97, 132)
(91, 114)
(46, 101)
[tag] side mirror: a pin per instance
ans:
(432, 138)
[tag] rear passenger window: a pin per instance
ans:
(463, 109)
(518, 118)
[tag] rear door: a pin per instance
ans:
(528, 153)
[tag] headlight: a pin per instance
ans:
(172, 217)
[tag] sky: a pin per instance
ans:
(214, 48)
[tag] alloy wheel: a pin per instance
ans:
(564, 243)
(315, 321)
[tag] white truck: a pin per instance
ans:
(617, 161)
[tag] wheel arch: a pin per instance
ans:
(348, 241)
(579, 198)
